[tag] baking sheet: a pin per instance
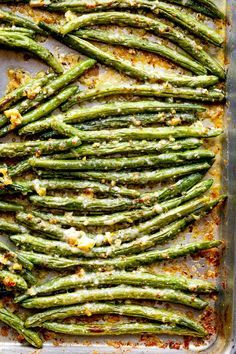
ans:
(222, 343)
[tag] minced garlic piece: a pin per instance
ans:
(79, 239)
(14, 116)
(6, 179)
(39, 189)
(70, 16)
(85, 243)
(32, 92)
(17, 266)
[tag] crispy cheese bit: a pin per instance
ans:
(85, 243)
(108, 237)
(37, 3)
(79, 239)
(31, 291)
(39, 189)
(175, 121)
(5, 179)
(8, 282)
(32, 92)
(3, 260)
(14, 116)
(87, 311)
(157, 208)
(16, 266)
(70, 16)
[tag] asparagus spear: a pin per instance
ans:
(49, 90)
(15, 322)
(120, 292)
(39, 112)
(147, 90)
(159, 28)
(148, 312)
(7, 16)
(149, 257)
(86, 186)
(153, 133)
(12, 281)
(17, 40)
(37, 147)
(15, 95)
(133, 146)
(137, 177)
(116, 163)
(137, 278)
(7, 206)
(171, 12)
(132, 41)
(95, 329)
(109, 109)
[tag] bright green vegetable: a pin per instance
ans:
(119, 163)
(37, 147)
(147, 312)
(97, 329)
(137, 278)
(145, 199)
(149, 257)
(171, 12)
(18, 40)
(106, 110)
(121, 292)
(15, 95)
(200, 94)
(133, 146)
(50, 89)
(7, 206)
(7, 16)
(133, 41)
(136, 177)
(133, 20)
(30, 186)
(15, 322)
(12, 281)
